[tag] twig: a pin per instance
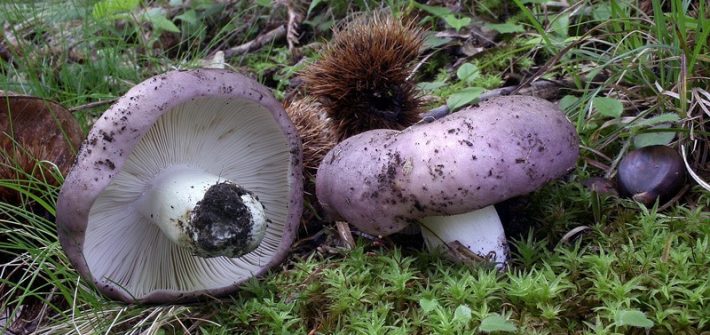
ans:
(464, 255)
(261, 40)
(675, 198)
(345, 234)
(92, 105)
(308, 239)
(543, 89)
(567, 237)
(295, 17)
(419, 64)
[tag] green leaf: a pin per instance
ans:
(430, 85)
(654, 137)
(428, 305)
(189, 16)
(567, 102)
(432, 41)
(468, 72)
(505, 28)
(446, 15)
(561, 25)
(494, 322)
(111, 8)
(608, 106)
(633, 318)
(463, 97)
(462, 314)
(658, 119)
(264, 3)
(534, 40)
(160, 22)
(434, 10)
(601, 12)
(457, 23)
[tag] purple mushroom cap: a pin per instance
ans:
(384, 180)
(201, 121)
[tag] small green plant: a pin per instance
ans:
(467, 73)
(452, 20)
(495, 322)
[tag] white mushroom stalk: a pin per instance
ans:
(204, 213)
(479, 231)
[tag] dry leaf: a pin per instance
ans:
(33, 130)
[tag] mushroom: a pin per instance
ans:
(384, 180)
(189, 185)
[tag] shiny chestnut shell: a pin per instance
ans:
(651, 172)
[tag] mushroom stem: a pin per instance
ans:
(480, 231)
(204, 213)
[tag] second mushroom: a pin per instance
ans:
(438, 174)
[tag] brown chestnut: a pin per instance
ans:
(649, 173)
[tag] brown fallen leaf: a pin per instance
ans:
(34, 130)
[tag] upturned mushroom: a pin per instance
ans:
(438, 174)
(187, 186)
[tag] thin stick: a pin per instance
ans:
(257, 43)
(92, 105)
(543, 89)
(345, 234)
